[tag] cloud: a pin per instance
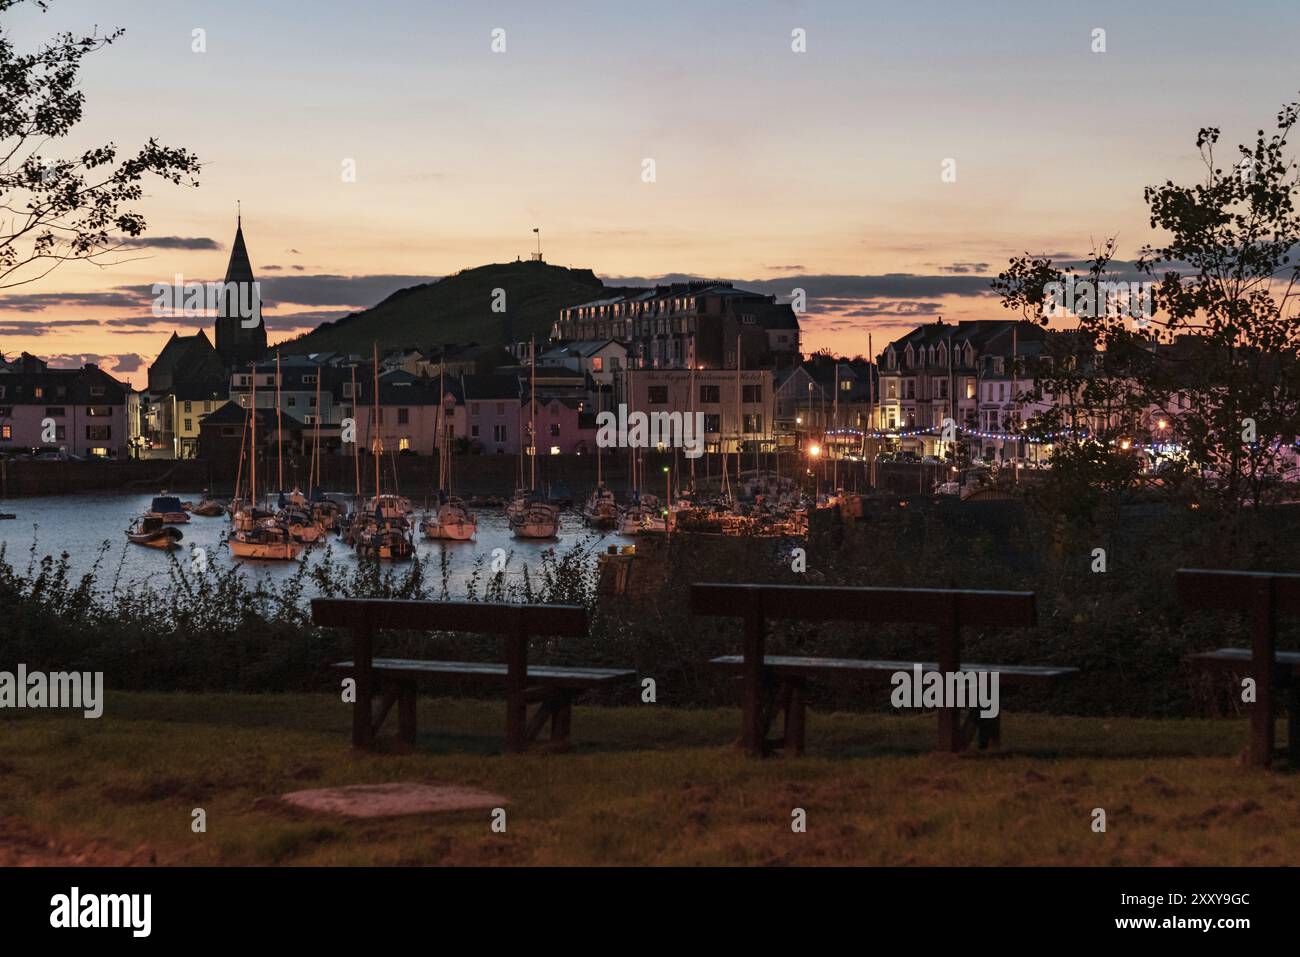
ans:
(965, 268)
(128, 362)
(893, 307)
(37, 301)
(169, 242)
(270, 268)
(39, 327)
(785, 268)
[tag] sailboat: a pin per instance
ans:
(383, 531)
(532, 514)
(258, 534)
(601, 510)
(452, 520)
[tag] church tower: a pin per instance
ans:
(240, 332)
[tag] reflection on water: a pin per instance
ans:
(80, 525)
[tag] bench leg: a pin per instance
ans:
(562, 720)
(1293, 724)
(390, 695)
(406, 712)
(990, 732)
(796, 712)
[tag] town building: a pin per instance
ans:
(698, 324)
(82, 412)
(963, 372)
(738, 405)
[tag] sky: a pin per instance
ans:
(821, 169)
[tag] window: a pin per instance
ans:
(498, 433)
(309, 380)
(501, 408)
(99, 411)
(38, 392)
(943, 388)
(61, 432)
(473, 408)
(347, 390)
(712, 423)
(403, 444)
(55, 411)
(753, 423)
(710, 393)
(909, 389)
(189, 426)
(403, 416)
(751, 393)
(6, 433)
(658, 394)
(291, 401)
(595, 363)
(187, 406)
(846, 385)
(555, 430)
(473, 431)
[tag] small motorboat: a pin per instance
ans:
(209, 508)
(169, 509)
(152, 532)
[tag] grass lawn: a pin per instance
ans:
(646, 785)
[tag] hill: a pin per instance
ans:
(458, 309)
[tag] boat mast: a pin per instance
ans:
(239, 469)
(740, 418)
(313, 480)
(444, 473)
(279, 428)
(356, 458)
(252, 448)
(835, 424)
(690, 405)
(378, 442)
(532, 413)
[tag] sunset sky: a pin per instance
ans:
(773, 168)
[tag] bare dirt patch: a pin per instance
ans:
(393, 800)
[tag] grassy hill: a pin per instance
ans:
(459, 309)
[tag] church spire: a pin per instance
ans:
(240, 268)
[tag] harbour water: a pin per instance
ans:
(80, 525)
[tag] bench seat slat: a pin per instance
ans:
(559, 676)
(788, 665)
(1288, 661)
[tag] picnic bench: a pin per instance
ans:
(773, 684)
(1264, 595)
(552, 689)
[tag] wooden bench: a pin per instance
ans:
(778, 683)
(553, 689)
(1264, 595)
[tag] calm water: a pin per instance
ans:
(80, 524)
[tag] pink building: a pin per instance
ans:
(79, 411)
(564, 426)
